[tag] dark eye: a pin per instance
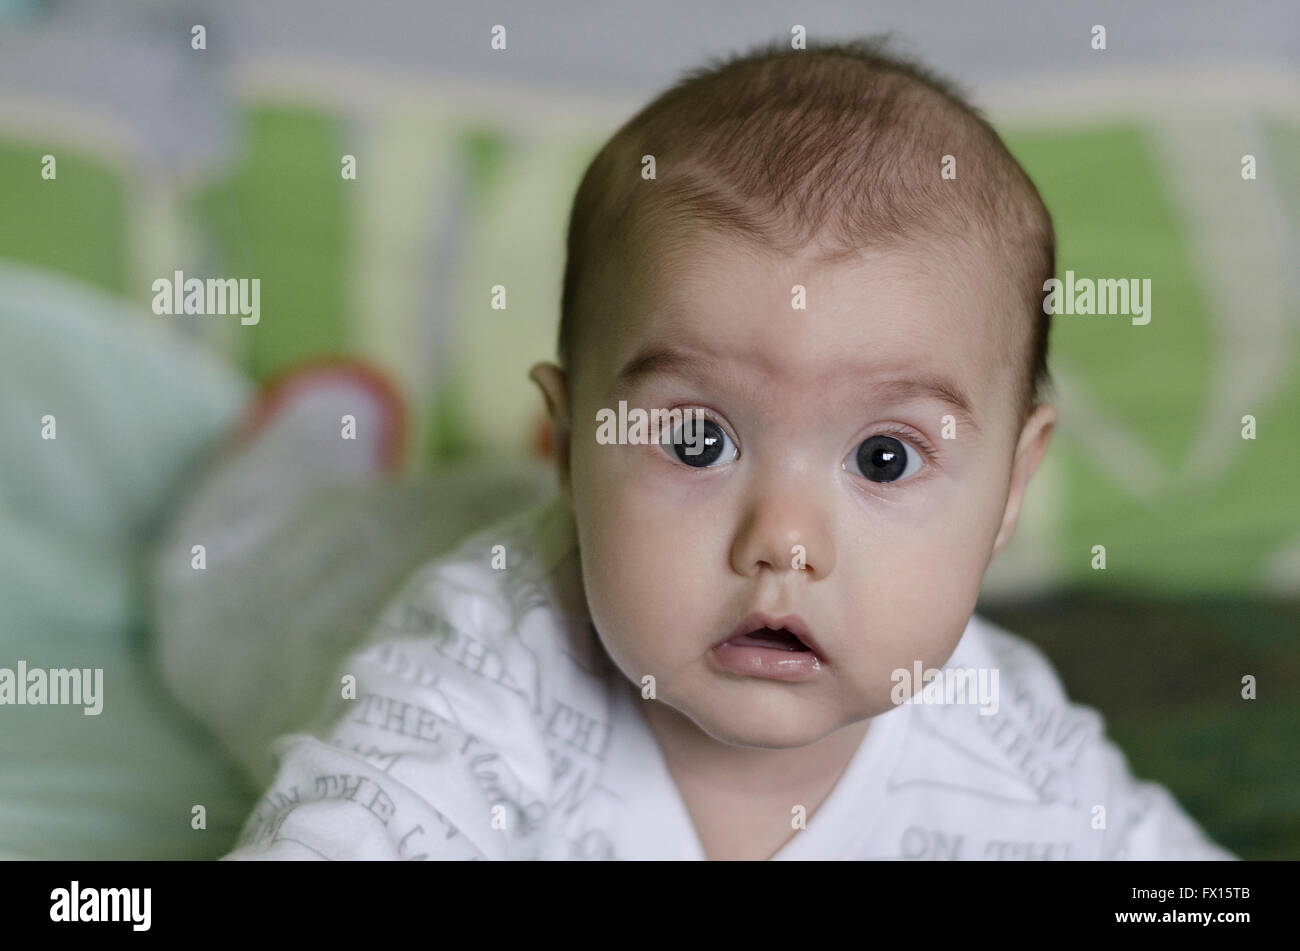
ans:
(699, 446)
(882, 458)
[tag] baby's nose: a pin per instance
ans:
(783, 534)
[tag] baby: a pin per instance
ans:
(753, 639)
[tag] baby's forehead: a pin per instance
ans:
(912, 299)
(918, 317)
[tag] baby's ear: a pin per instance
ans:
(550, 378)
(1034, 437)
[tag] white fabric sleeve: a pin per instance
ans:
(332, 803)
(1145, 820)
(1142, 820)
(426, 762)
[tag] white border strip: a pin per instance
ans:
(1143, 92)
(1162, 91)
(351, 86)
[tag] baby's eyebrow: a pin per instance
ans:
(927, 387)
(662, 359)
(658, 360)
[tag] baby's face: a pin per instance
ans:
(827, 433)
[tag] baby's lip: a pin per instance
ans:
(790, 622)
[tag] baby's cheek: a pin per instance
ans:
(607, 602)
(912, 608)
(645, 589)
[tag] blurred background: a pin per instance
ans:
(225, 161)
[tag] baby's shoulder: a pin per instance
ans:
(1000, 701)
(1024, 755)
(467, 698)
(515, 573)
(495, 636)
(500, 605)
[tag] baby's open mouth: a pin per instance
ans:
(771, 647)
(778, 638)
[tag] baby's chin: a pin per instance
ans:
(759, 719)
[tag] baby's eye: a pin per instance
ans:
(699, 446)
(882, 458)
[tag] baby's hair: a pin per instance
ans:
(839, 148)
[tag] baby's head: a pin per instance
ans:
(838, 262)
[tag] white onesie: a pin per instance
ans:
(487, 722)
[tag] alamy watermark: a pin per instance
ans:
(214, 296)
(82, 686)
(75, 904)
(947, 686)
(1104, 297)
(642, 427)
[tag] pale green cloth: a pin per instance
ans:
(134, 409)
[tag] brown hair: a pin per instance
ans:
(839, 144)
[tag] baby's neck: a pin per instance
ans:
(741, 800)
